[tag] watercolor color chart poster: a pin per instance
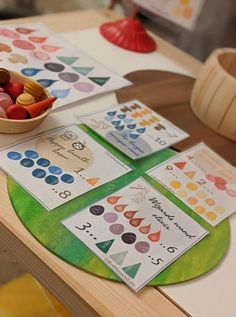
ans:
(69, 74)
(134, 129)
(58, 166)
(136, 232)
(182, 12)
(202, 180)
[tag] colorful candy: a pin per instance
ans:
(16, 112)
(14, 88)
(25, 99)
(5, 100)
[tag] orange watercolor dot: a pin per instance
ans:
(192, 200)
(200, 209)
(210, 202)
(200, 194)
(220, 209)
(181, 193)
(175, 184)
(184, 2)
(191, 186)
(211, 215)
(188, 13)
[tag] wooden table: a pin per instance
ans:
(82, 293)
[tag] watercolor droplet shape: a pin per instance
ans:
(135, 222)
(129, 214)
(145, 229)
(155, 237)
(120, 208)
(24, 45)
(113, 199)
(84, 87)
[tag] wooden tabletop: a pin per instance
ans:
(82, 293)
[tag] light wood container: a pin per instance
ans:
(19, 126)
(213, 98)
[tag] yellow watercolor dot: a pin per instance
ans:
(175, 184)
(184, 2)
(191, 186)
(181, 193)
(200, 194)
(177, 11)
(211, 215)
(200, 209)
(220, 209)
(188, 13)
(192, 200)
(210, 202)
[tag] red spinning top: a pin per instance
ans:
(130, 34)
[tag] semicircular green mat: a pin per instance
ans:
(47, 229)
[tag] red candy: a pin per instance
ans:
(14, 88)
(16, 112)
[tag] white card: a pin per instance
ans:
(58, 166)
(134, 129)
(142, 232)
(202, 180)
(67, 73)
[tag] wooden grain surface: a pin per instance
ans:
(83, 294)
(169, 94)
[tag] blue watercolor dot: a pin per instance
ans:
(43, 162)
(51, 180)
(31, 154)
(14, 156)
(55, 170)
(39, 173)
(27, 162)
(67, 178)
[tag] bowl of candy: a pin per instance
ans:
(24, 103)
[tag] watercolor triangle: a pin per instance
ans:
(92, 181)
(104, 246)
(132, 270)
(190, 174)
(83, 70)
(119, 257)
(99, 80)
(180, 165)
(67, 59)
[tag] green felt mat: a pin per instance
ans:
(47, 229)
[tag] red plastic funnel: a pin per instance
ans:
(130, 34)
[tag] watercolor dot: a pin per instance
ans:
(27, 162)
(51, 180)
(54, 67)
(220, 209)
(200, 194)
(68, 77)
(211, 215)
(175, 184)
(97, 210)
(128, 237)
(184, 2)
(14, 155)
(43, 162)
(200, 209)
(181, 193)
(192, 200)
(39, 173)
(231, 192)
(67, 178)
(142, 246)
(55, 170)
(177, 11)
(188, 13)
(210, 202)
(191, 186)
(117, 228)
(31, 154)
(110, 217)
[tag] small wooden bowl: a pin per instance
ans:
(19, 126)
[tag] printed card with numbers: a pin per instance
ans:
(134, 129)
(58, 166)
(202, 180)
(136, 232)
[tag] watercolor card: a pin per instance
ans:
(136, 232)
(58, 166)
(69, 74)
(134, 129)
(202, 180)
